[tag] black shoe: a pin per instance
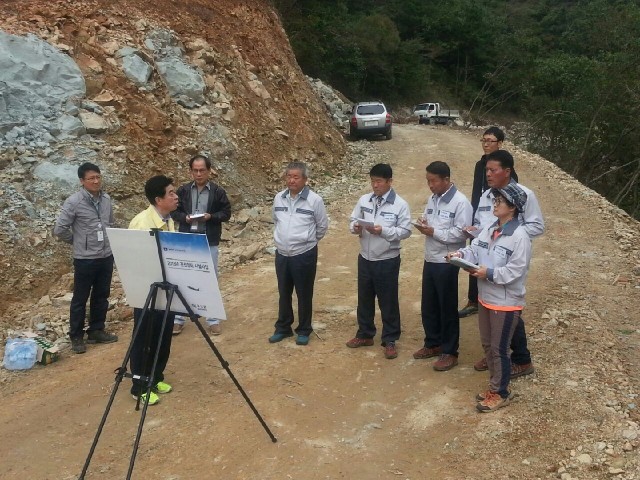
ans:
(100, 336)
(78, 346)
(469, 309)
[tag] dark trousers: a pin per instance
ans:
(378, 279)
(299, 272)
(440, 306)
(520, 354)
(141, 361)
(473, 289)
(92, 276)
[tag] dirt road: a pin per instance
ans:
(350, 414)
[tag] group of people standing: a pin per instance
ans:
(499, 222)
(199, 206)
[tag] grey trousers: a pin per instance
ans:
(496, 330)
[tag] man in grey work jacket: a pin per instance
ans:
(82, 222)
(446, 214)
(381, 219)
(300, 222)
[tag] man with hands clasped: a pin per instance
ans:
(300, 222)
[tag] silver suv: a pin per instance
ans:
(370, 118)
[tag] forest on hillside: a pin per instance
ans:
(567, 72)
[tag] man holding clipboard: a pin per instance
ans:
(446, 214)
(202, 208)
(381, 220)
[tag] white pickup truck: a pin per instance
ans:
(433, 113)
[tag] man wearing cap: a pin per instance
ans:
(498, 170)
(502, 253)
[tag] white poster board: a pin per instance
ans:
(187, 262)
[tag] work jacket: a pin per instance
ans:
(84, 226)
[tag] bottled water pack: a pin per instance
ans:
(20, 353)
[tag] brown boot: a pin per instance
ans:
(427, 352)
(481, 365)
(360, 342)
(445, 362)
(521, 370)
(390, 351)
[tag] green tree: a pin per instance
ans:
(570, 69)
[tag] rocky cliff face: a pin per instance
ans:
(138, 87)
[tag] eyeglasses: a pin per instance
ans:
(486, 140)
(93, 178)
(498, 200)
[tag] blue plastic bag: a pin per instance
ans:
(20, 353)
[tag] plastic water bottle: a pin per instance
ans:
(20, 353)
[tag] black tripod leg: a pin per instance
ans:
(119, 376)
(225, 365)
(150, 381)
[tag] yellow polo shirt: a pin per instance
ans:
(150, 218)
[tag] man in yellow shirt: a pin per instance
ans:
(163, 200)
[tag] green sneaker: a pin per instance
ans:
(162, 387)
(153, 398)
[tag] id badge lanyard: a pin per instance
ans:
(100, 232)
(196, 224)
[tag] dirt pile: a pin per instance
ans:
(259, 112)
(342, 413)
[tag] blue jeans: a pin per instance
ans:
(91, 277)
(180, 320)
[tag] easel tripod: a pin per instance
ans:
(170, 290)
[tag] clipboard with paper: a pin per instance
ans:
(462, 263)
(364, 223)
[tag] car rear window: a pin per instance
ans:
(370, 109)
